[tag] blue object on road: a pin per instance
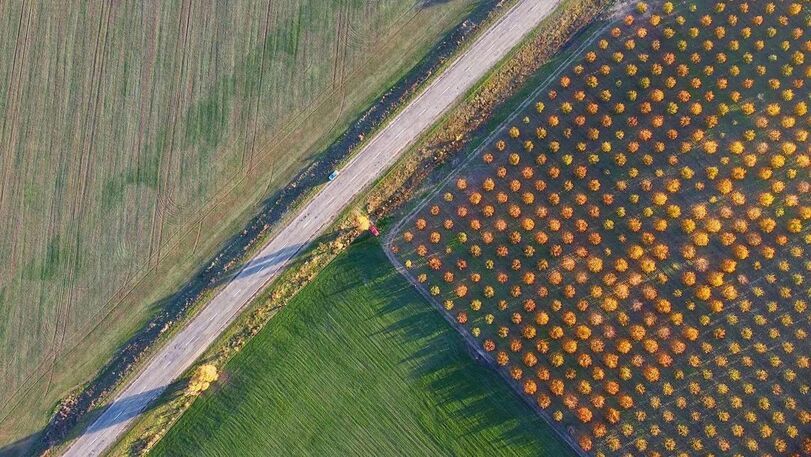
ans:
(333, 175)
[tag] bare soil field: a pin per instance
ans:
(136, 138)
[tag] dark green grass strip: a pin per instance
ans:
(359, 364)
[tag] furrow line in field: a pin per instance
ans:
(7, 152)
(54, 226)
(101, 46)
(81, 184)
(339, 68)
(259, 92)
(12, 112)
(75, 180)
(156, 205)
(337, 51)
(197, 238)
(12, 159)
(146, 76)
(167, 158)
(345, 48)
(61, 311)
(344, 58)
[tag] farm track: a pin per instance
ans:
(362, 170)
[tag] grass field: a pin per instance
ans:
(358, 364)
(136, 138)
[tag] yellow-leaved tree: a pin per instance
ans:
(202, 378)
(362, 222)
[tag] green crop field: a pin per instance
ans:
(358, 364)
(135, 139)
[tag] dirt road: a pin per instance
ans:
(367, 165)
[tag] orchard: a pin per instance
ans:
(634, 252)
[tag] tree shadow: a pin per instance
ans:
(423, 4)
(131, 406)
(111, 414)
(472, 388)
(263, 263)
(19, 448)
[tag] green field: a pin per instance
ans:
(135, 139)
(358, 364)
